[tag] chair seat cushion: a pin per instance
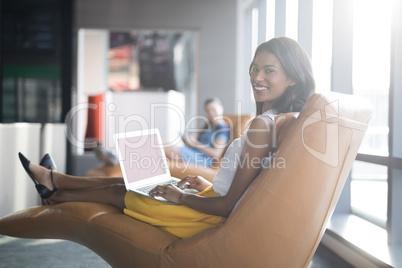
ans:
(85, 223)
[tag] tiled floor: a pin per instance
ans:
(16, 252)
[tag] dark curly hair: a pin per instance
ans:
(297, 66)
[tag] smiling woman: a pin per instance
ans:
(280, 71)
(268, 79)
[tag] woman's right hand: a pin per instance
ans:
(194, 182)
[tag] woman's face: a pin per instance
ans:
(212, 110)
(268, 78)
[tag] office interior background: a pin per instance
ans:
(57, 54)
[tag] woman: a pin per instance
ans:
(282, 81)
(206, 147)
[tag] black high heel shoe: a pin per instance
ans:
(43, 191)
(48, 162)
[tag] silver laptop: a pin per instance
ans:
(143, 161)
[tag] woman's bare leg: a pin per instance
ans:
(102, 190)
(110, 195)
(63, 181)
(73, 182)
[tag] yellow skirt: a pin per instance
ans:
(181, 221)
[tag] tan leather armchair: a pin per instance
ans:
(278, 222)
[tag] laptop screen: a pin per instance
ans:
(142, 157)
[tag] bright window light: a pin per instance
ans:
(270, 19)
(369, 191)
(292, 17)
(254, 40)
(371, 80)
(321, 57)
(371, 68)
(254, 30)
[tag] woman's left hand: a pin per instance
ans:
(169, 192)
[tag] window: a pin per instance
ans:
(254, 30)
(292, 17)
(369, 191)
(371, 51)
(321, 57)
(270, 19)
(371, 80)
(35, 61)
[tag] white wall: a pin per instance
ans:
(215, 21)
(133, 111)
(17, 190)
(53, 142)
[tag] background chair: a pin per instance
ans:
(278, 222)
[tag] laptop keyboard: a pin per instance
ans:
(147, 189)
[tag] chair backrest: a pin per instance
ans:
(281, 218)
(237, 124)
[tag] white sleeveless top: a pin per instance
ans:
(231, 160)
